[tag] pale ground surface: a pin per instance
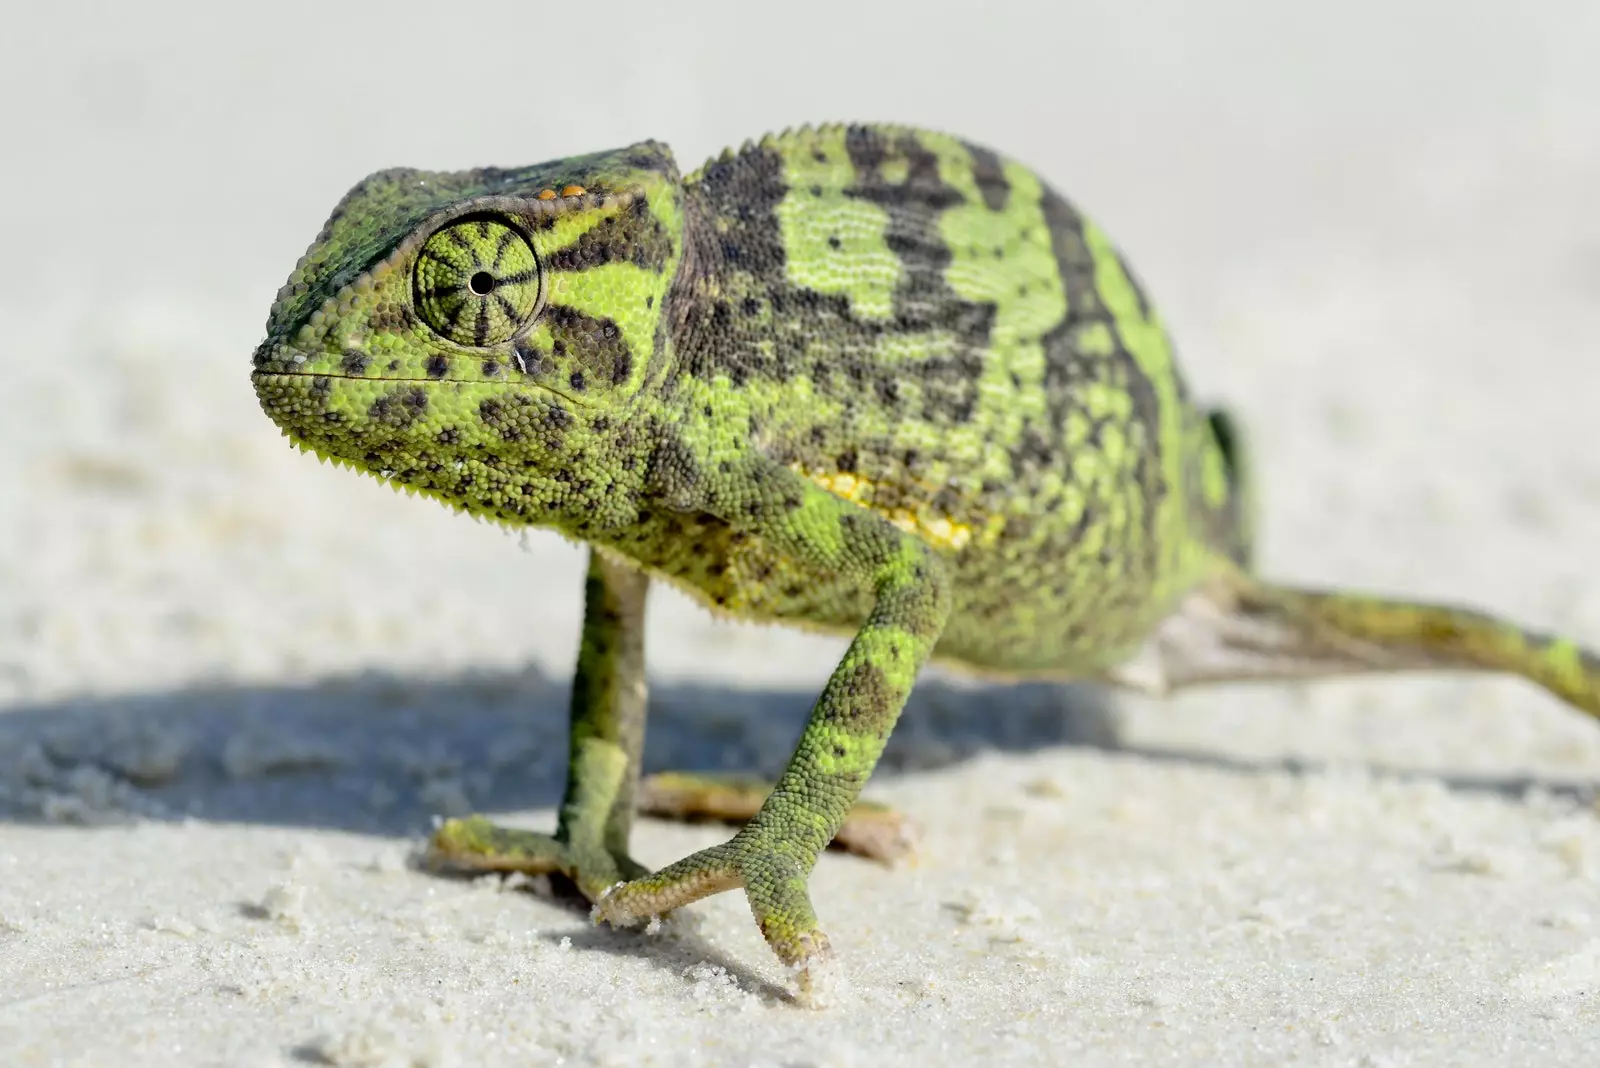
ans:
(233, 684)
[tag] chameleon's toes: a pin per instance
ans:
(773, 875)
(707, 872)
(474, 844)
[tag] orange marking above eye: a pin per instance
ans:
(573, 191)
(547, 194)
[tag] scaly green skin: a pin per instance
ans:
(868, 379)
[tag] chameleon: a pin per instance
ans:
(871, 380)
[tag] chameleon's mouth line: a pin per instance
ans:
(256, 373)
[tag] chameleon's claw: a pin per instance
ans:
(474, 844)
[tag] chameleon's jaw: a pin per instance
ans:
(506, 451)
(335, 415)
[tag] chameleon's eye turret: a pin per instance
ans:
(477, 282)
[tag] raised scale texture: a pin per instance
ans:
(869, 379)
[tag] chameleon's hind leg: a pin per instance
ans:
(1241, 629)
(870, 829)
(590, 846)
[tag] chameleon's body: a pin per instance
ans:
(868, 379)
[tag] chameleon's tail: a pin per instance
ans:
(1243, 629)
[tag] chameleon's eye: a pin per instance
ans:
(477, 282)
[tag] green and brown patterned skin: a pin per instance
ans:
(869, 379)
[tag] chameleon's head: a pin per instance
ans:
(479, 335)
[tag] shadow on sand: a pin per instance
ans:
(382, 754)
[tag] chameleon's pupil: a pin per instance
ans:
(482, 283)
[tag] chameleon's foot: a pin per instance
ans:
(870, 830)
(773, 873)
(475, 844)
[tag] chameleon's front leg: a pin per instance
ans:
(773, 855)
(590, 845)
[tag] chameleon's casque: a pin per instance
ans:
(869, 379)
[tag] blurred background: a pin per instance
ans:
(1371, 225)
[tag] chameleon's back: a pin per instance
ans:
(922, 326)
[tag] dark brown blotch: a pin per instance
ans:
(595, 343)
(399, 408)
(864, 702)
(989, 173)
(632, 236)
(674, 473)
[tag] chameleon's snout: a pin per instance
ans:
(367, 420)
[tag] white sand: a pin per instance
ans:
(234, 685)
